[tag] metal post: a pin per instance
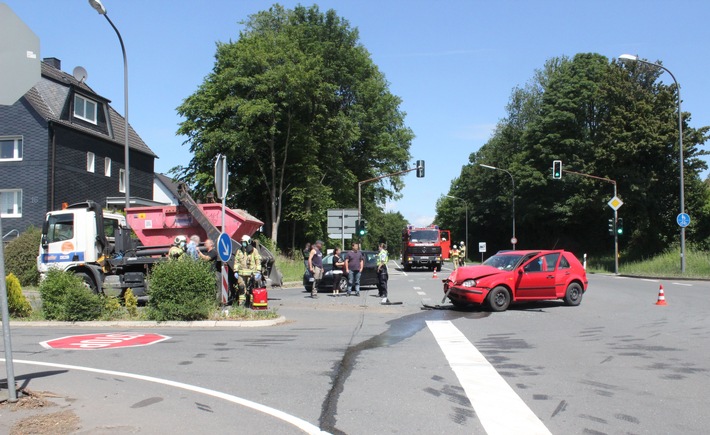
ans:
(468, 247)
(359, 205)
(616, 237)
(11, 389)
(342, 229)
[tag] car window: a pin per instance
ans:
(328, 259)
(371, 258)
(534, 266)
(551, 261)
(564, 263)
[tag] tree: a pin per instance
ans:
(302, 113)
(600, 118)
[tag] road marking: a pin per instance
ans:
(498, 407)
(288, 418)
(401, 270)
(416, 288)
(683, 284)
(649, 280)
(421, 293)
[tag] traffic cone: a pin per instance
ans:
(661, 297)
(434, 276)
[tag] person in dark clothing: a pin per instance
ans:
(382, 275)
(337, 266)
(213, 257)
(315, 266)
(306, 253)
(354, 263)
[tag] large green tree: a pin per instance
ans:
(302, 113)
(601, 118)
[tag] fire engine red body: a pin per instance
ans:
(424, 247)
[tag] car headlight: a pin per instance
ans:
(469, 283)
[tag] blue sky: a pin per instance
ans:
(453, 63)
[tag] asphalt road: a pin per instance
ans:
(618, 363)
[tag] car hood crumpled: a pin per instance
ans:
(474, 272)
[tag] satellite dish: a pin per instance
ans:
(80, 74)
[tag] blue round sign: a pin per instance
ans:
(683, 220)
(224, 247)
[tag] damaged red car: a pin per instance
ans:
(516, 276)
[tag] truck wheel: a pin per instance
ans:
(438, 268)
(407, 268)
(499, 299)
(88, 281)
(573, 295)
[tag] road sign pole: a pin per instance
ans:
(342, 230)
(616, 237)
(12, 391)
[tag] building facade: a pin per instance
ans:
(63, 143)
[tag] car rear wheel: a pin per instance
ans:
(573, 295)
(499, 299)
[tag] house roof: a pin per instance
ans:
(49, 98)
(169, 184)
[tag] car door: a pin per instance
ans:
(369, 275)
(537, 277)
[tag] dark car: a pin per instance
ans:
(513, 276)
(332, 277)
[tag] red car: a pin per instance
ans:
(515, 276)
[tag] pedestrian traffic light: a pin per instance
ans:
(620, 226)
(420, 168)
(612, 230)
(557, 169)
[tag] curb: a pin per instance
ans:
(153, 324)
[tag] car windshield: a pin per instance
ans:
(504, 261)
(424, 236)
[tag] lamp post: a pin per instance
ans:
(466, 205)
(631, 57)
(96, 4)
(513, 240)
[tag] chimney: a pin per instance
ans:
(53, 61)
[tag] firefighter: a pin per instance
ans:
(177, 250)
(455, 256)
(247, 263)
(462, 254)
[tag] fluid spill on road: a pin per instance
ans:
(399, 329)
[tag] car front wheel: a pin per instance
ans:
(573, 295)
(343, 284)
(499, 299)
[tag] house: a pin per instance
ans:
(63, 143)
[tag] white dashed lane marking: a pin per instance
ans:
(683, 284)
(500, 410)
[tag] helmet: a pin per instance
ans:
(180, 239)
(455, 247)
(461, 243)
(246, 238)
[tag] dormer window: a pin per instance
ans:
(84, 109)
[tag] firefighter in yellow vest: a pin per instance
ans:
(455, 256)
(177, 250)
(247, 263)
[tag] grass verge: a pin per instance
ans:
(292, 270)
(697, 265)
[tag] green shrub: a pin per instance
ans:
(21, 256)
(66, 297)
(131, 302)
(181, 290)
(17, 303)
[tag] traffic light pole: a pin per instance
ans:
(369, 180)
(616, 215)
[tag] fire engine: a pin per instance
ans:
(423, 247)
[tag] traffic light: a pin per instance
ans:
(612, 230)
(420, 168)
(557, 169)
(620, 226)
(361, 227)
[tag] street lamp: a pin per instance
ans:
(466, 205)
(96, 4)
(513, 240)
(631, 57)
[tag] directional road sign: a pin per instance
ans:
(103, 341)
(224, 247)
(683, 220)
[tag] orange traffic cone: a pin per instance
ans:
(661, 297)
(434, 276)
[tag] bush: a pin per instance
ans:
(181, 290)
(21, 256)
(66, 297)
(17, 303)
(131, 302)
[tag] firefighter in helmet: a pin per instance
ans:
(177, 250)
(455, 256)
(247, 265)
(462, 254)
